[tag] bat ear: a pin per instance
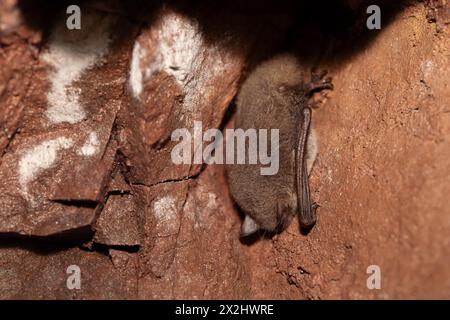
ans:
(249, 226)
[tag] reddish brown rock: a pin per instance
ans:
(85, 127)
(17, 64)
(192, 249)
(179, 76)
(381, 175)
(59, 164)
(119, 223)
(127, 264)
(41, 272)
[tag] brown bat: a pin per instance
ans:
(275, 96)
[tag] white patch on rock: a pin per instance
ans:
(135, 80)
(39, 158)
(91, 146)
(165, 211)
(70, 53)
(212, 201)
(427, 67)
(178, 48)
(179, 44)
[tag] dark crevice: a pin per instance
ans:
(104, 248)
(77, 203)
(44, 245)
(183, 179)
(118, 193)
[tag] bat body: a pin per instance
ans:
(274, 96)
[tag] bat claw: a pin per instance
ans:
(319, 82)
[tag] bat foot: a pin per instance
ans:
(319, 82)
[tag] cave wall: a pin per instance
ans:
(87, 177)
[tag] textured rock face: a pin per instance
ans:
(87, 179)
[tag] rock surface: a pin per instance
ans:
(86, 119)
